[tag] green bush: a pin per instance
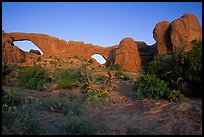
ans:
(6, 70)
(100, 77)
(11, 98)
(94, 95)
(176, 96)
(193, 70)
(150, 86)
(116, 67)
(80, 126)
(181, 69)
(17, 109)
(33, 77)
(67, 78)
(119, 73)
(126, 77)
(90, 61)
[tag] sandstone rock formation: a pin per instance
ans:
(53, 46)
(10, 53)
(161, 35)
(185, 30)
(180, 32)
(130, 54)
(146, 52)
(126, 55)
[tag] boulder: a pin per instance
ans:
(127, 55)
(10, 53)
(161, 35)
(185, 30)
(178, 33)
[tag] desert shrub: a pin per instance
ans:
(80, 126)
(100, 77)
(126, 77)
(116, 67)
(193, 71)
(150, 86)
(29, 125)
(62, 93)
(67, 83)
(11, 98)
(17, 109)
(182, 70)
(176, 96)
(119, 73)
(97, 96)
(6, 70)
(90, 61)
(33, 77)
(72, 109)
(38, 59)
(67, 78)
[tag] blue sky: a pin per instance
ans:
(100, 23)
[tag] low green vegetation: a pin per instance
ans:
(80, 126)
(90, 61)
(176, 96)
(67, 78)
(33, 77)
(173, 75)
(182, 70)
(16, 108)
(150, 86)
(116, 67)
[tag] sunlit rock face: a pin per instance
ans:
(185, 30)
(10, 53)
(129, 54)
(178, 33)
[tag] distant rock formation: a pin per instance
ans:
(130, 54)
(180, 32)
(126, 55)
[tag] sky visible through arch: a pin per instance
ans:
(100, 23)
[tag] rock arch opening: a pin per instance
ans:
(27, 46)
(99, 58)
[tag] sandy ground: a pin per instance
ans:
(125, 115)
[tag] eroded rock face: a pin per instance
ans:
(10, 53)
(161, 35)
(53, 46)
(127, 55)
(180, 32)
(185, 30)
